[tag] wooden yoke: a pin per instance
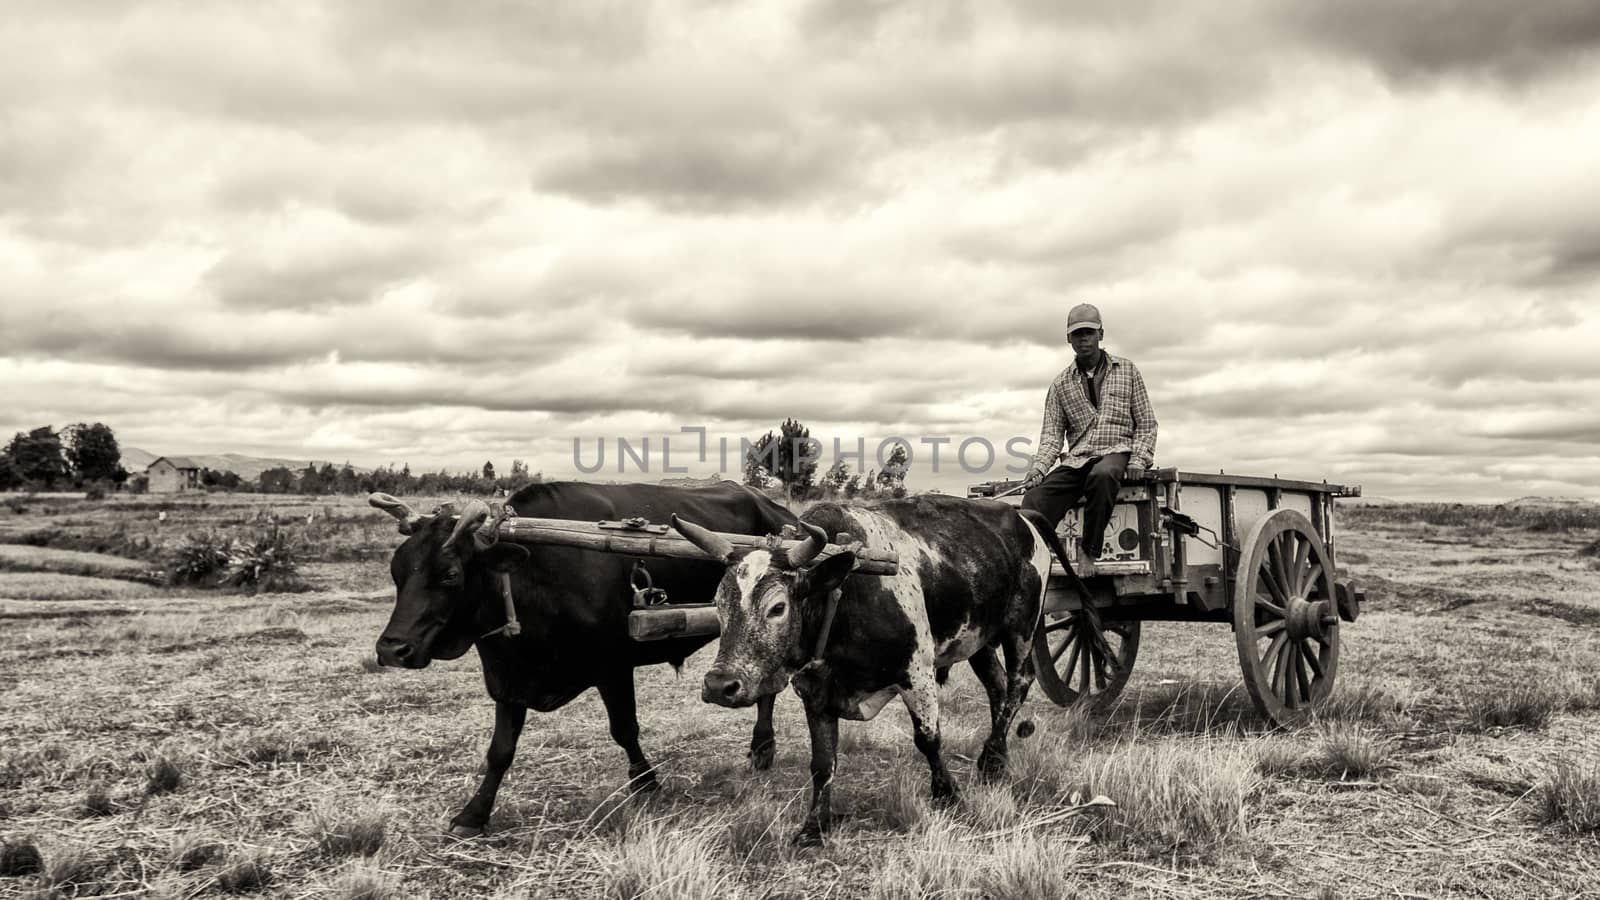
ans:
(640, 539)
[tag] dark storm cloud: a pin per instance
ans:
(1512, 42)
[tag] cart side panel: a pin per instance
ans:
(1251, 503)
(1203, 503)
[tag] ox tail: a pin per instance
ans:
(1052, 542)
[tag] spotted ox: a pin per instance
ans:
(571, 607)
(971, 580)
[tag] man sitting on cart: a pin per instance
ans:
(1100, 406)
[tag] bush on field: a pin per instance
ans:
(266, 563)
(198, 558)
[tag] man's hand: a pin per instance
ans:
(1134, 472)
(1033, 477)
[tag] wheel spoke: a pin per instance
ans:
(1302, 555)
(1300, 678)
(1085, 662)
(1069, 638)
(1272, 649)
(1312, 578)
(1278, 657)
(1280, 546)
(1312, 658)
(1071, 669)
(1269, 606)
(1271, 628)
(1272, 585)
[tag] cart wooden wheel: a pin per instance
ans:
(1078, 659)
(1285, 620)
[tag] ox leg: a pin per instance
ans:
(824, 727)
(508, 720)
(763, 742)
(616, 692)
(986, 665)
(923, 704)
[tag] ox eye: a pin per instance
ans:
(777, 610)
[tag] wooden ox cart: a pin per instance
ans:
(1256, 553)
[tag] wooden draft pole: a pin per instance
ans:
(640, 539)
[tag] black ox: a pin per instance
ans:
(971, 579)
(572, 605)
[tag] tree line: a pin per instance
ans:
(78, 457)
(86, 457)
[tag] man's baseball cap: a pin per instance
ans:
(1083, 316)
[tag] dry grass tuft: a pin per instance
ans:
(369, 664)
(19, 857)
(1351, 751)
(661, 861)
(1570, 797)
(934, 863)
(1030, 867)
(1523, 702)
(337, 834)
(69, 868)
(905, 802)
(97, 801)
(162, 776)
(365, 882)
(757, 831)
(245, 875)
(989, 807)
(194, 851)
(1175, 796)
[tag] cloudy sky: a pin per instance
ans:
(1355, 240)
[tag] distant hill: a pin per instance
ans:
(249, 468)
(1548, 502)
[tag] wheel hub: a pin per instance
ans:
(1309, 619)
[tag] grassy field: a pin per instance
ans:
(180, 741)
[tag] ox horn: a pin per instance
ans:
(472, 515)
(715, 544)
(409, 518)
(805, 551)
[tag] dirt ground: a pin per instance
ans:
(182, 741)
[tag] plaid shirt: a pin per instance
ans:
(1124, 423)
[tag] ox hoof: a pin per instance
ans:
(1025, 728)
(465, 832)
(761, 760)
(991, 766)
(644, 783)
(808, 838)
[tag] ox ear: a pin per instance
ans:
(827, 575)
(503, 558)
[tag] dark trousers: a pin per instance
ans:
(1095, 483)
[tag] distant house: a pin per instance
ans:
(173, 475)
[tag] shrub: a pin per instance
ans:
(266, 563)
(365, 882)
(1570, 797)
(200, 557)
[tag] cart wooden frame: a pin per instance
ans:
(1257, 553)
